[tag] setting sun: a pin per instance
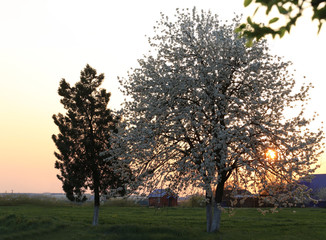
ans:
(271, 154)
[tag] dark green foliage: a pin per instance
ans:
(85, 132)
(292, 10)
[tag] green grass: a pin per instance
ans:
(66, 221)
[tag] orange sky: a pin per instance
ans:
(43, 41)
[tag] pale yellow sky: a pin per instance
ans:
(43, 41)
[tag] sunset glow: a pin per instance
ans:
(271, 154)
(44, 41)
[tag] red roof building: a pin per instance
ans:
(163, 198)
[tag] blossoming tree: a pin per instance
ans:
(204, 110)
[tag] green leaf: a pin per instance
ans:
(282, 10)
(275, 19)
(247, 3)
(282, 32)
(249, 42)
(288, 27)
(265, 2)
(240, 28)
(315, 3)
(249, 20)
(255, 11)
(269, 5)
(321, 13)
(319, 27)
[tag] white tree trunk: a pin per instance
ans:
(216, 219)
(208, 216)
(95, 216)
(213, 217)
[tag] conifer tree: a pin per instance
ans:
(84, 133)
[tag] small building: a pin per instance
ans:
(163, 198)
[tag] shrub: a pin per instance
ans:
(23, 199)
(196, 200)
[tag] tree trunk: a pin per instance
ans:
(214, 210)
(208, 214)
(96, 201)
(216, 220)
(217, 211)
(95, 216)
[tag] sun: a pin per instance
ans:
(271, 154)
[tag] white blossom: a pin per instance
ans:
(204, 109)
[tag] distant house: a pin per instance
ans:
(163, 198)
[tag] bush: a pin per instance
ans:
(321, 194)
(196, 200)
(23, 199)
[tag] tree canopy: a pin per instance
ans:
(84, 133)
(205, 109)
(289, 11)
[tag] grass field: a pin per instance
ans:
(35, 221)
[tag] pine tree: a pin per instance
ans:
(85, 132)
